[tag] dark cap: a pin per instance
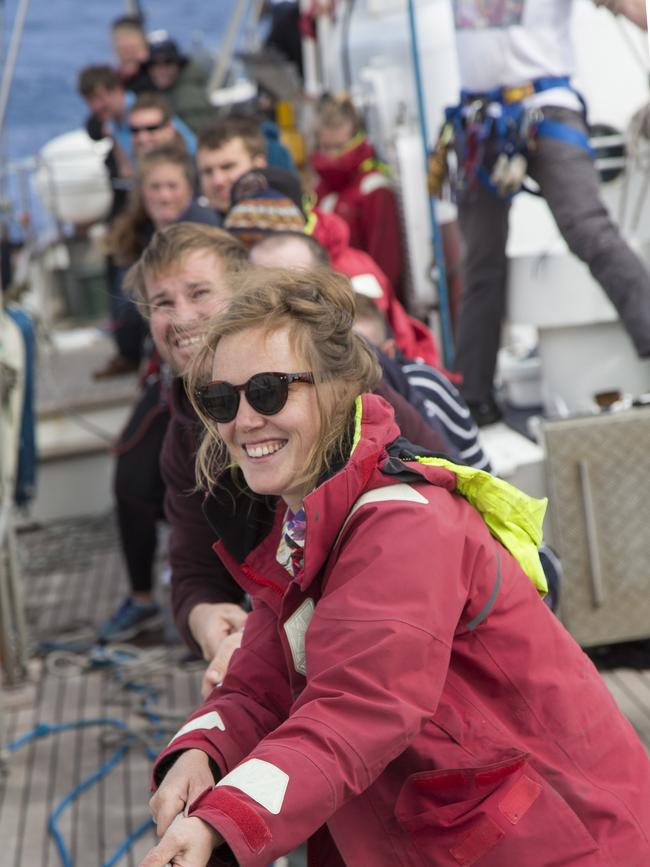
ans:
(166, 51)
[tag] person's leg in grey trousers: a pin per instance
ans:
(570, 184)
(483, 222)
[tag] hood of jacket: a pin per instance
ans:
(379, 456)
(337, 173)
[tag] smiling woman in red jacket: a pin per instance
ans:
(402, 696)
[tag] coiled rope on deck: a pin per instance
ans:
(128, 666)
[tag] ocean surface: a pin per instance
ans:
(61, 37)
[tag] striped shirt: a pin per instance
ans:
(444, 402)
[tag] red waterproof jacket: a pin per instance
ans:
(409, 689)
(412, 337)
(356, 186)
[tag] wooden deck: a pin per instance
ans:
(631, 689)
(73, 579)
(66, 363)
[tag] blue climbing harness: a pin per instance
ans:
(501, 117)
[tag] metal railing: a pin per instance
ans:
(13, 638)
(13, 630)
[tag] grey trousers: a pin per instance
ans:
(570, 184)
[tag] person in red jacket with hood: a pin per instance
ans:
(402, 695)
(333, 233)
(355, 185)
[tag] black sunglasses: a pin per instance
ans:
(152, 127)
(266, 393)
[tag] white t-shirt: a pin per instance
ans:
(503, 43)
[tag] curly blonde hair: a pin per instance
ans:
(317, 308)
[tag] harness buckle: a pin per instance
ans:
(517, 93)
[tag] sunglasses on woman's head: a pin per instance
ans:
(266, 393)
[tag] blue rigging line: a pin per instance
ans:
(45, 729)
(443, 294)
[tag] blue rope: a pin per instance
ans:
(443, 294)
(72, 796)
(124, 847)
(44, 729)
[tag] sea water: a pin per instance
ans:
(61, 37)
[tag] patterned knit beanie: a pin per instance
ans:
(264, 201)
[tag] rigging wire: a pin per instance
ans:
(346, 62)
(10, 60)
(443, 294)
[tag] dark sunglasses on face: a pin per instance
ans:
(152, 127)
(266, 393)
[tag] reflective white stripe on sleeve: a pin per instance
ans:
(210, 720)
(263, 782)
(385, 494)
(374, 181)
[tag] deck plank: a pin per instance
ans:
(631, 689)
(74, 576)
(17, 784)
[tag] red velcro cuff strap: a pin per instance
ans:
(255, 830)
